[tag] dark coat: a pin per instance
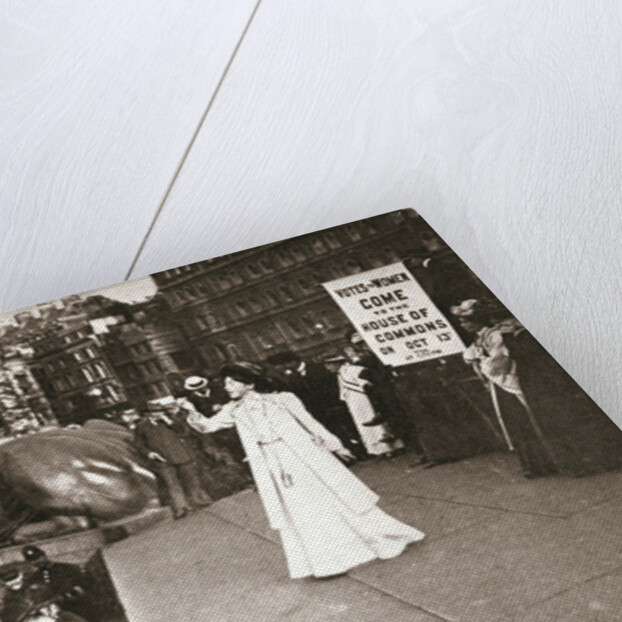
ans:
(317, 389)
(582, 438)
(68, 585)
(163, 439)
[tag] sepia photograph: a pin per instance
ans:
(346, 425)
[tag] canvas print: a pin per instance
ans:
(346, 425)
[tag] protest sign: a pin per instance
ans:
(394, 315)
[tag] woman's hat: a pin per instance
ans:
(11, 571)
(243, 371)
(195, 383)
(466, 308)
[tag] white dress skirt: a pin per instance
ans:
(352, 392)
(322, 537)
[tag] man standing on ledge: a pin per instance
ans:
(159, 439)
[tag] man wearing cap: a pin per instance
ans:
(160, 439)
(19, 594)
(27, 599)
(67, 583)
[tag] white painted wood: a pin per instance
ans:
(499, 121)
(98, 102)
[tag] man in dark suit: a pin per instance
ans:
(67, 583)
(160, 439)
(318, 389)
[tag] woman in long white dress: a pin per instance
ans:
(327, 518)
(352, 390)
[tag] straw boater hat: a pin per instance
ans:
(195, 383)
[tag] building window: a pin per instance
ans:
(113, 393)
(183, 359)
(353, 266)
(253, 270)
(266, 264)
(310, 324)
(242, 308)
(223, 282)
(100, 370)
(270, 299)
(327, 319)
(254, 304)
(264, 341)
(336, 271)
(78, 356)
(294, 329)
(371, 229)
(140, 348)
(235, 277)
(353, 232)
(87, 374)
(233, 352)
(377, 261)
(298, 253)
(90, 353)
(286, 293)
(318, 246)
(390, 255)
(305, 285)
(332, 240)
(285, 258)
(221, 354)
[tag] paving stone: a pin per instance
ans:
(599, 600)
(493, 480)
(486, 572)
(246, 511)
(204, 568)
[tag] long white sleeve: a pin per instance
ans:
(297, 409)
(207, 425)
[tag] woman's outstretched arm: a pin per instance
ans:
(207, 425)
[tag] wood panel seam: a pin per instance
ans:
(193, 138)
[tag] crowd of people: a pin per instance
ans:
(510, 394)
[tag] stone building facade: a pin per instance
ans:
(251, 304)
(23, 404)
(93, 367)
